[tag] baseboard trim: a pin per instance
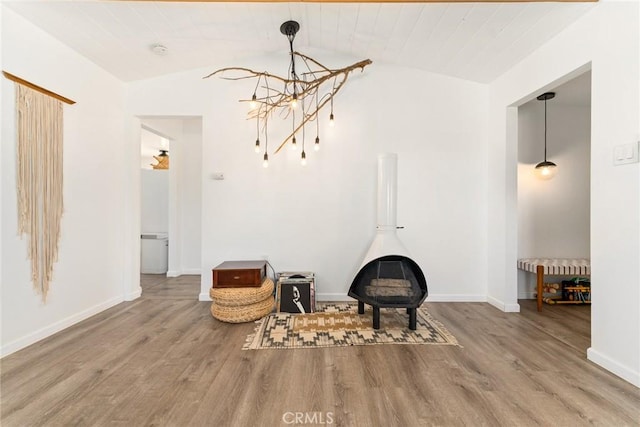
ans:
(133, 295)
(507, 308)
(512, 308)
(614, 367)
(204, 296)
(186, 271)
(174, 273)
(333, 297)
(456, 298)
(430, 298)
(47, 331)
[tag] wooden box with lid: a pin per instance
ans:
(239, 274)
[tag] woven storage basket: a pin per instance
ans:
(239, 314)
(240, 297)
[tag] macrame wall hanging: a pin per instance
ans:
(39, 180)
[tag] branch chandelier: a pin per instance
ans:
(297, 96)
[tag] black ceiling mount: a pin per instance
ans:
(289, 29)
(547, 95)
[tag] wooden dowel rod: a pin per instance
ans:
(38, 88)
(370, 1)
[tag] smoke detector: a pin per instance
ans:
(159, 49)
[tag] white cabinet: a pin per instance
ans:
(154, 253)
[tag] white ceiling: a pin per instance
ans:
(472, 41)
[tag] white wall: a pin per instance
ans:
(88, 276)
(154, 200)
(554, 215)
(607, 40)
(322, 218)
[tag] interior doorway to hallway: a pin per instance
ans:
(170, 199)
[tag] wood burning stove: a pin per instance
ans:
(388, 277)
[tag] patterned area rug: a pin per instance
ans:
(340, 325)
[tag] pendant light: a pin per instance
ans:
(545, 169)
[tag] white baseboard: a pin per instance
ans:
(186, 271)
(133, 295)
(49, 330)
(204, 296)
(333, 297)
(455, 298)
(430, 298)
(614, 367)
(507, 308)
(512, 308)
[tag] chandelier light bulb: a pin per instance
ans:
(546, 170)
(265, 162)
(253, 103)
(316, 146)
(294, 101)
(331, 121)
(303, 159)
(293, 143)
(257, 146)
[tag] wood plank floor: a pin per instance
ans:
(162, 360)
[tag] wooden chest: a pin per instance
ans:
(239, 274)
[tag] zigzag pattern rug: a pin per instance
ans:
(340, 325)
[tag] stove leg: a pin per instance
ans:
(360, 307)
(412, 318)
(376, 317)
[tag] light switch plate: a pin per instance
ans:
(626, 153)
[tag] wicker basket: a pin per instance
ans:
(240, 297)
(240, 314)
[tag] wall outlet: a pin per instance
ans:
(625, 153)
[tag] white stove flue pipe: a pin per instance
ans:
(386, 241)
(387, 191)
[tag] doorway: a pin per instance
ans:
(174, 202)
(154, 201)
(554, 215)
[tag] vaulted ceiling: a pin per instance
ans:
(472, 41)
